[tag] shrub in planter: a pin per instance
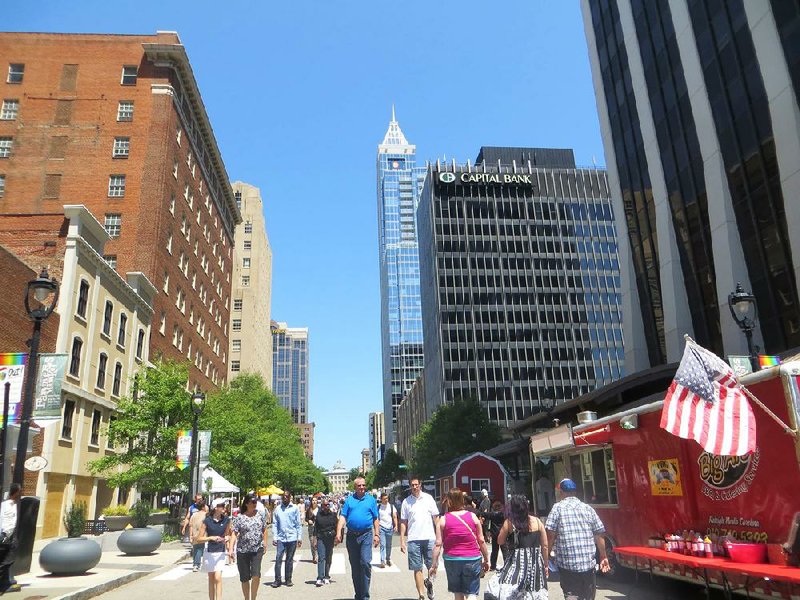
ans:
(117, 518)
(159, 517)
(74, 554)
(141, 539)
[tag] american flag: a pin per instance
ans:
(705, 403)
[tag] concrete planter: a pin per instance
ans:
(139, 540)
(116, 523)
(158, 518)
(70, 556)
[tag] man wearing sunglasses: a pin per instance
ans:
(360, 514)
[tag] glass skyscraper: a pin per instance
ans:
(399, 185)
(290, 369)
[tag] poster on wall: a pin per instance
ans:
(12, 372)
(665, 477)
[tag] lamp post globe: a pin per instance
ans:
(743, 310)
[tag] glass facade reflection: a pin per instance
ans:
(398, 190)
(290, 369)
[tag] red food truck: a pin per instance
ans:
(649, 486)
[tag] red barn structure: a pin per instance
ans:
(471, 474)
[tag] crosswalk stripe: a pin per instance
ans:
(175, 573)
(338, 564)
(298, 556)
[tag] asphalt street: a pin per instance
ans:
(390, 583)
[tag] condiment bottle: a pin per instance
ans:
(707, 547)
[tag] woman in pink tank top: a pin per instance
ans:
(459, 536)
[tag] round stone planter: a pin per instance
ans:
(116, 523)
(70, 556)
(139, 540)
(158, 518)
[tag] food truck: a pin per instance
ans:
(653, 491)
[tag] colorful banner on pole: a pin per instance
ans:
(47, 399)
(204, 446)
(12, 371)
(184, 452)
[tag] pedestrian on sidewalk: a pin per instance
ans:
(287, 535)
(575, 532)
(215, 532)
(311, 515)
(248, 540)
(8, 534)
(495, 518)
(387, 515)
(360, 514)
(326, 532)
(194, 534)
(187, 517)
(459, 538)
(418, 516)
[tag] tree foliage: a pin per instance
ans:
(145, 431)
(453, 430)
(388, 470)
(254, 442)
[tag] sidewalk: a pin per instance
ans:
(115, 569)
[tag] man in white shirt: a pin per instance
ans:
(8, 527)
(418, 516)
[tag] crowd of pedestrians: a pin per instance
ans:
(457, 532)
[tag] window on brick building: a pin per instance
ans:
(113, 224)
(140, 344)
(175, 169)
(83, 298)
(122, 147)
(117, 379)
(97, 418)
(2, 185)
(5, 146)
(58, 146)
(116, 186)
(52, 185)
(235, 365)
(102, 362)
(63, 114)
(162, 326)
(108, 315)
(9, 110)
(172, 204)
(125, 110)
(16, 71)
(165, 287)
(69, 78)
(178, 135)
(111, 259)
(123, 326)
(75, 357)
(169, 243)
(66, 423)
(129, 75)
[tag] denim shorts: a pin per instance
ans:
(417, 549)
(463, 576)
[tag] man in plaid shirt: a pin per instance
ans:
(574, 531)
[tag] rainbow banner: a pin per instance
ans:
(765, 362)
(184, 451)
(12, 372)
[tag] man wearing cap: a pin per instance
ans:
(360, 514)
(575, 531)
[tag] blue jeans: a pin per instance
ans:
(386, 544)
(288, 548)
(324, 556)
(359, 551)
(197, 554)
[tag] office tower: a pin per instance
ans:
(399, 185)
(117, 123)
(698, 105)
(377, 437)
(520, 282)
(365, 462)
(290, 369)
(251, 288)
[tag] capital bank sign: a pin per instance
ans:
(517, 179)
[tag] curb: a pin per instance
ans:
(102, 588)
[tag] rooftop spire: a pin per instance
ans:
(394, 135)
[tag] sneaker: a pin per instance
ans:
(319, 583)
(382, 566)
(195, 569)
(288, 583)
(276, 583)
(429, 588)
(327, 580)
(388, 562)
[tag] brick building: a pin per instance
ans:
(116, 123)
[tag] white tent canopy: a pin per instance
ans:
(219, 485)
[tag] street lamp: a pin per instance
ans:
(743, 310)
(41, 296)
(198, 401)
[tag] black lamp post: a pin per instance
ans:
(41, 297)
(743, 310)
(198, 401)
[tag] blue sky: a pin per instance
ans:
(299, 95)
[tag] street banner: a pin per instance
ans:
(12, 370)
(47, 399)
(741, 365)
(184, 449)
(204, 443)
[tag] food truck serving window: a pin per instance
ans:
(595, 476)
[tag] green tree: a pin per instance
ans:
(145, 431)
(388, 470)
(454, 430)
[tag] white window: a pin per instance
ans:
(125, 110)
(5, 146)
(122, 147)
(16, 72)
(245, 263)
(113, 224)
(245, 280)
(129, 74)
(248, 227)
(111, 259)
(169, 243)
(235, 366)
(237, 325)
(236, 345)
(476, 485)
(248, 245)
(9, 110)
(172, 203)
(162, 326)
(116, 186)
(175, 169)
(165, 287)
(237, 304)
(178, 134)
(2, 185)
